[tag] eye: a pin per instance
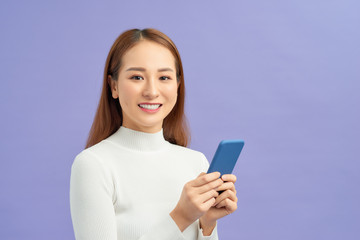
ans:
(136, 77)
(165, 78)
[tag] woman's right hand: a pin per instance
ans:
(196, 199)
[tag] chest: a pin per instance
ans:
(151, 183)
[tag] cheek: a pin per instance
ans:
(127, 94)
(171, 93)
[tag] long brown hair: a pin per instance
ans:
(108, 116)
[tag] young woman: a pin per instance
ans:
(136, 179)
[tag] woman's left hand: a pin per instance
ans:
(225, 204)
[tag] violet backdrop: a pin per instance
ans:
(282, 75)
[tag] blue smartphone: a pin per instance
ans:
(226, 156)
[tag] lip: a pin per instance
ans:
(150, 103)
(150, 110)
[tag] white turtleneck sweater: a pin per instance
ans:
(125, 187)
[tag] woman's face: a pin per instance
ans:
(146, 86)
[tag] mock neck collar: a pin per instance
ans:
(140, 141)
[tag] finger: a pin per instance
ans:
(227, 194)
(208, 195)
(226, 186)
(221, 204)
(209, 203)
(209, 186)
(205, 178)
(230, 206)
(228, 178)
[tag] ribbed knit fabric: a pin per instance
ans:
(125, 187)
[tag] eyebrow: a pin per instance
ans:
(140, 69)
(165, 70)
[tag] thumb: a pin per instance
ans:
(202, 173)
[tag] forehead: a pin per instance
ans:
(149, 55)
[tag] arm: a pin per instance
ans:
(91, 204)
(207, 232)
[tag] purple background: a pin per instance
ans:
(283, 75)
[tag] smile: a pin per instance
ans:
(150, 108)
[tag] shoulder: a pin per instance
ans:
(196, 157)
(186, 150)
(97, 152)
(89, 175)
(93, 156)
(88, 166)
(84, 160)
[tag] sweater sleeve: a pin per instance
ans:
(164, 230)
(91, 204)
(214, 234)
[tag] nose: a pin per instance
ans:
(150, 89)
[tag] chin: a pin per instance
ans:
(150, 124)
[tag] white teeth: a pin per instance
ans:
(149, 106)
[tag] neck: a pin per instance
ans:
(140, 141)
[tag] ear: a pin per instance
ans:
(113, 86)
